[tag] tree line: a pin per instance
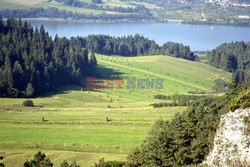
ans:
(80, 4)
(136, 45)
(176, 100)
(52, 12)
(233, 57)
(32, 63)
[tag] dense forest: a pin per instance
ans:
(233, 57)
(32, 63)
(136, 45)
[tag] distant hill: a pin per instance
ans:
(190, 11)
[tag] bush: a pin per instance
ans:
(197, 92)
(162, 97)
(28, 103)
(2, 164)
(66, 164)
(103, 163)
(220, 86)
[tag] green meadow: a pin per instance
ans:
(85, 125)
(21, 4)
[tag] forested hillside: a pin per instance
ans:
(187, 139)
(233, 57)
(32, 63)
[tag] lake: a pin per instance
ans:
(198, 37)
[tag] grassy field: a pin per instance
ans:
(111, 3)
(76, 126)
(61, 6)
(18, 4)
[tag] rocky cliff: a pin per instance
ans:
(231, 142)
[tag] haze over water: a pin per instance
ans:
(198, 37)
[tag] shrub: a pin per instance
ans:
(28, 103)
(162, 97)
(66, 164)
(103, 163)
(2, 164)
(220, 86)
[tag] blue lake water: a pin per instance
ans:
(198, 37)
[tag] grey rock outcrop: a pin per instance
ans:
(231, 142)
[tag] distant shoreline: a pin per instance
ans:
(102, 21)
(91, 21)
(99, 21)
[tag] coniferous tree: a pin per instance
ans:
(39, 160)
(93, 63)
(18, 76)
(29, 90)
(1, 24)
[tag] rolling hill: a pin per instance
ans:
(73, 123)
